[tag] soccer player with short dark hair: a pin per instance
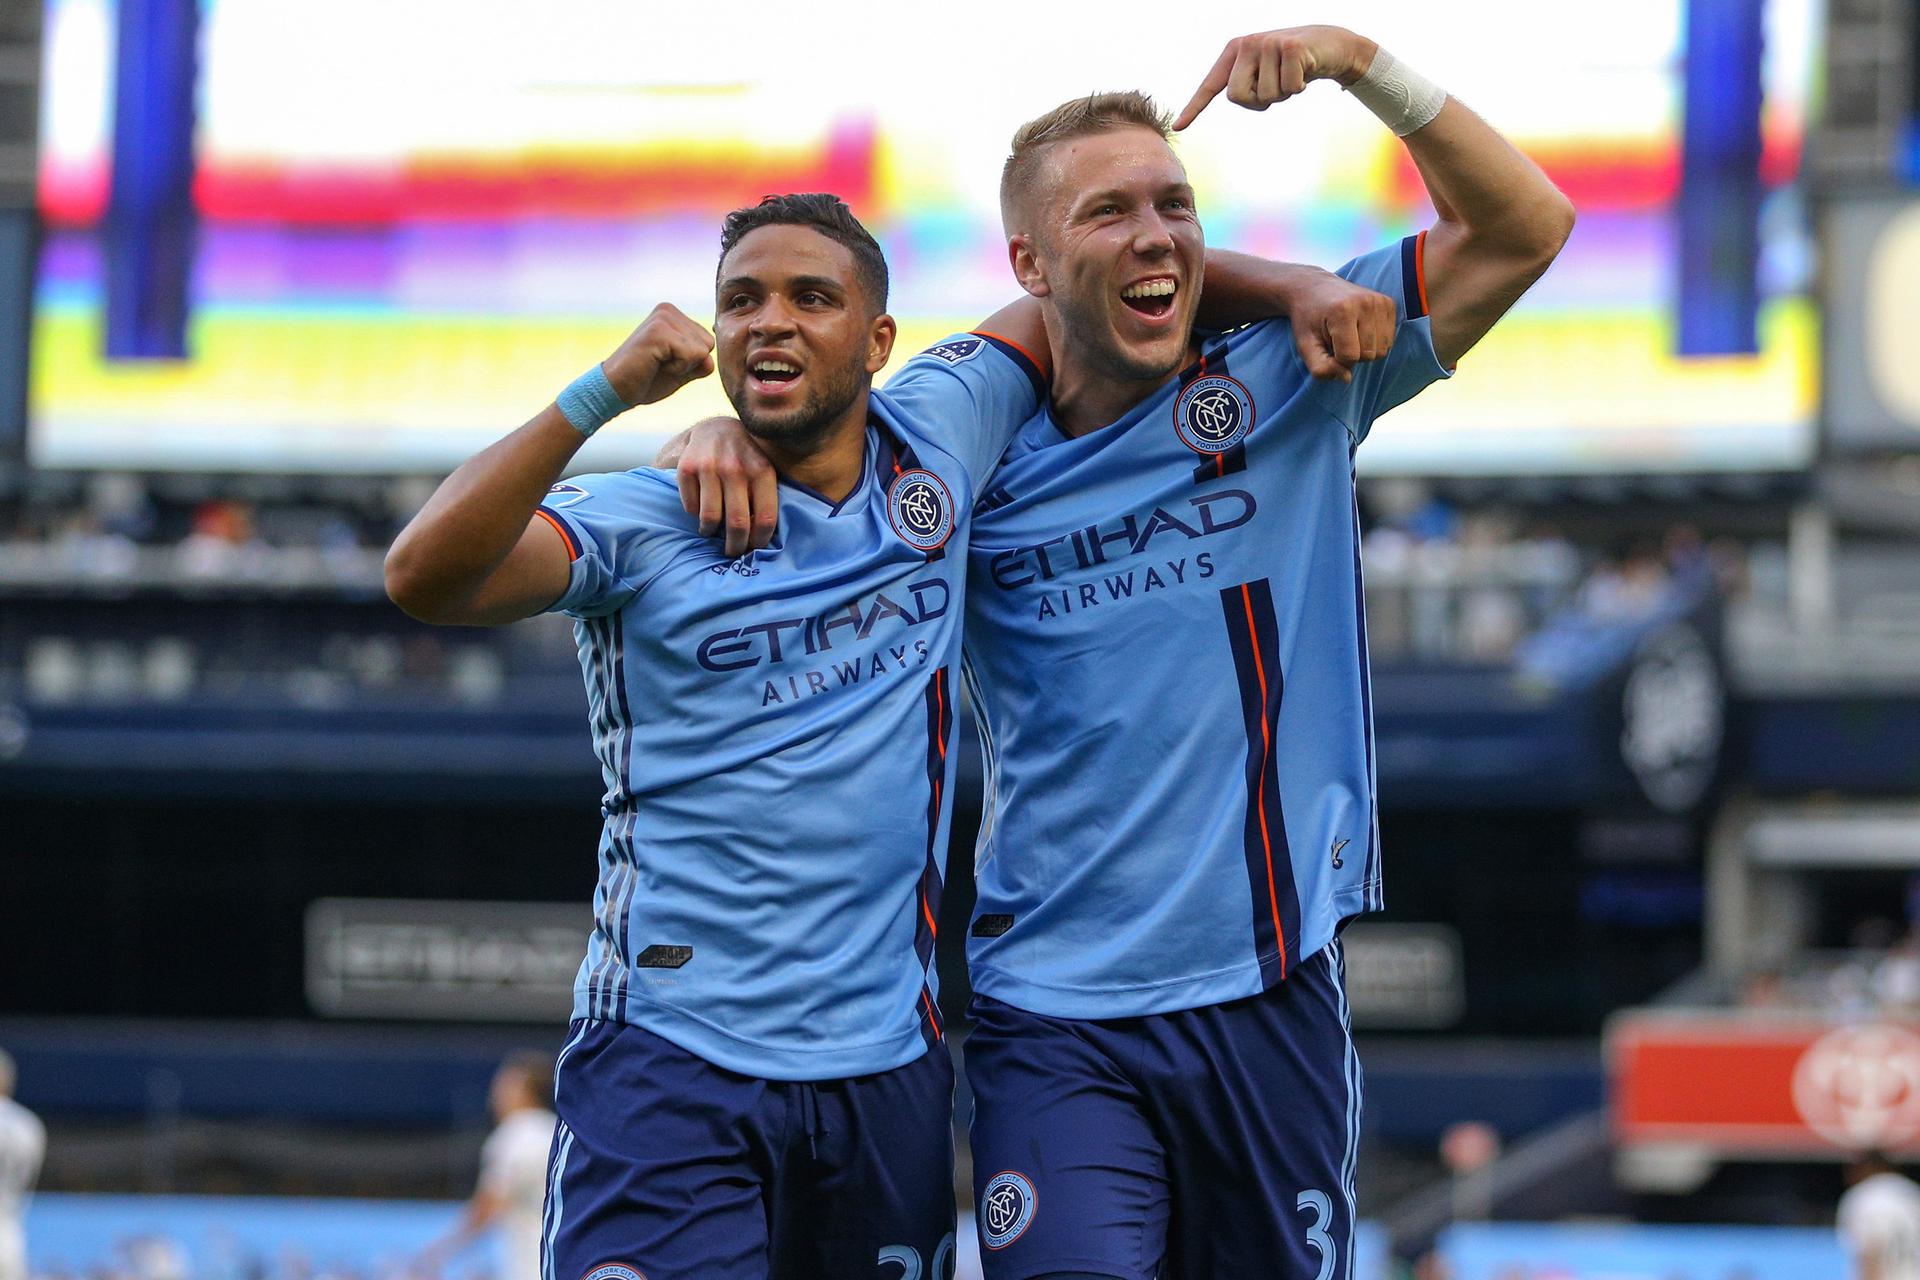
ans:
(755, 1083)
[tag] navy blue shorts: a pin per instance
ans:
(667, 1167)
(1209, 1144)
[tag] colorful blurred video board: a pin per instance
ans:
(416, 222)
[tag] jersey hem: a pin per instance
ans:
(753, 1058)
(1104, 1267)
(1170, 996)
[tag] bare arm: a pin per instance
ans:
(1336, 323)
(1500, 224)
(728, 483)
(1500, 221)
(477, 554)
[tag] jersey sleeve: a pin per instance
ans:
(614, 536)
(1378, 385)
(970, 393)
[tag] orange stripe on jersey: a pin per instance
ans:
(940, 705)
(1266, 838)
(566, 534)
(1035, 361)
(933, 1019)
(1420, 269)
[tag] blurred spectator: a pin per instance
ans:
(1467, 1149)
(513, 1169)
(1896, 979)
(23, 1144)
(1879, 1220)
(223, 543)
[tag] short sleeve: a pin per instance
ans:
(613, 535)
(1378, 385)
(970, 393)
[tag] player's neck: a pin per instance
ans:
(831, 467)
(1085, 398)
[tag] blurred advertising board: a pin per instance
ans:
(1749, 1085)
(407, 958)
(1871, 399)
(1506, 1251)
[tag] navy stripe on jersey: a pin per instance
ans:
(1372, 884)
(926, 925)
(1020, 358)
(1214, 360)
(1411, 285)
(599, 713)
(566, 532)
(1254, 635)
(613, 740)
(893, 457)
(624, 756)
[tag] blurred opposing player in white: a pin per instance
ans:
(1879, 1220)
(23, 1143)
(513, 1169)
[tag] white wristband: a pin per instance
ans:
(1404, 99)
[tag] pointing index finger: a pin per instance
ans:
(1210, 87)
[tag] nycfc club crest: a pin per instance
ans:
(921, 509)
(1213, 414)
(613, 1271)
(1006, 1209)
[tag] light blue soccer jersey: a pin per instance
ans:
(776, 733)
(1166, 646)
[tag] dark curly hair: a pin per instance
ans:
(826, 213)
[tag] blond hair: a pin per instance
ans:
(1079, 118)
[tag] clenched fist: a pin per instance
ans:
(664, 354)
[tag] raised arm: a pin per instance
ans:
(730, 486)
(1500, 221)
(477, 554)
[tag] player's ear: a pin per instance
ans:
(880, 336)
(1026, 265)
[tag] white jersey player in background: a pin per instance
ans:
(513, 1169)
(1879, 1220)
(23, 1144)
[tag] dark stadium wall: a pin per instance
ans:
(196, 909)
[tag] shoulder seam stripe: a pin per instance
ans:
(1020, 356)
(560, 527)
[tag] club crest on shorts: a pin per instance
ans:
(957, 350)
(1213, 414)
(613, 1271)
(921, 509)
(1006, 1209)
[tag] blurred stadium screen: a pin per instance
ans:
(394, 245)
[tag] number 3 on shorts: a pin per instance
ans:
(1317, 1233)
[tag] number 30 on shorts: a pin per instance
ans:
(908, 1259)
(1317, 1233)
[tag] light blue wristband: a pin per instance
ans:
(590, 402)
